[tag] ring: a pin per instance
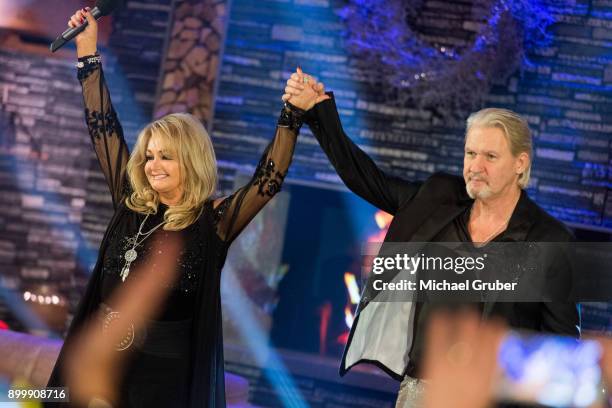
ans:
(459, 354)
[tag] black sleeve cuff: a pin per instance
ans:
(311, 117)
(291, 117)
(87, 64)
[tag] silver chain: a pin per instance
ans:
(130, 255)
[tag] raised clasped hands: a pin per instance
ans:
(303, 91)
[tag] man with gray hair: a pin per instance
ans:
(487, 204)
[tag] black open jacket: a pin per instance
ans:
(421, 209)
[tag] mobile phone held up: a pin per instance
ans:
(550, 371)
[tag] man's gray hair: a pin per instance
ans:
(515, 129)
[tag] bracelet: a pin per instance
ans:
(88, 60)
(87, 65)
(291, 117)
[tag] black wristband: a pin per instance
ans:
(87, 64)
(89, 60)
(291, 117)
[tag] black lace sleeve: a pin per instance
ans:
(104, 127)
(233, 213)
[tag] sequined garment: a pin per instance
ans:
(181, 291)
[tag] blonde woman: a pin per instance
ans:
(165, 188)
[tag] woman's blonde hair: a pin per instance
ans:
(515, 128)
(183, 137)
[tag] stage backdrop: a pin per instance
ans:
(227, 62)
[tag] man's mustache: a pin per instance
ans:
(476, 177)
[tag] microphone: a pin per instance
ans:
(102, 8)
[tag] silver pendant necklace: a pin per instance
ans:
(130, 255)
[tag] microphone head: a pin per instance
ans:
(107, 6)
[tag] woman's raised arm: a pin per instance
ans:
(102, 122)
(233, 213)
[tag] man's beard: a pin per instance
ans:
(483, 193)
